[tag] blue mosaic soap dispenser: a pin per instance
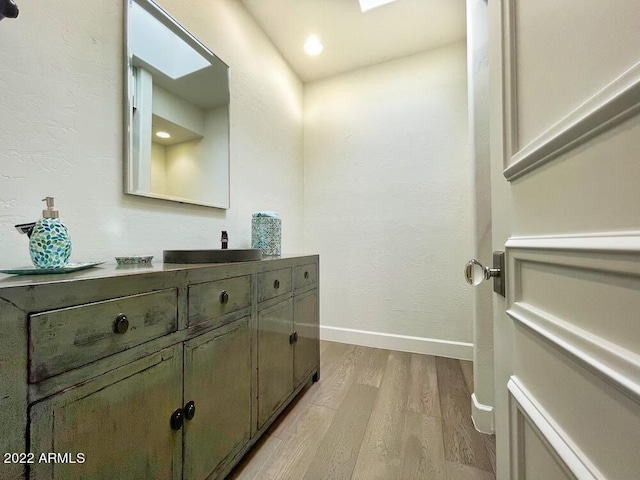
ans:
(50, 243)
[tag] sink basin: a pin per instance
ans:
(212, 256)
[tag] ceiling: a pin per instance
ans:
(353, 39)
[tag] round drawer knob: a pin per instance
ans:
(276, 283)
(224, 297)
(121, 324)
(306, 275)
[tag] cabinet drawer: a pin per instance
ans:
(61, 340)
(214, 299)
(305, 275)
(273, 283)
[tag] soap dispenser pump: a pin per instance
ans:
(50, 243)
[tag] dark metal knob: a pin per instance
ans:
(8, 9)
(177, 418)
(306, 275)
(190, 410)
(292, 338)
(224, 297)
(121, 324)
(276, 283)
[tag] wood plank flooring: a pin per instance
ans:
(376, 414)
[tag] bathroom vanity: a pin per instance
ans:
(163, 372)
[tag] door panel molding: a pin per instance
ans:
(616, 102)
(610, 106)
(611, 261)
(527, 411)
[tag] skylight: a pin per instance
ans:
(370, 4)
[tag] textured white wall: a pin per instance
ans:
(388, 196)
(61, 86)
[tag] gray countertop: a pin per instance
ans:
(111, 269)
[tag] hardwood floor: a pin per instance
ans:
(376, 414)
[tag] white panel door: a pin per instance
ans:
(565, 148)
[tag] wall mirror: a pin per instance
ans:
(176, 112)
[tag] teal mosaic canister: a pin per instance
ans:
(266, 232)
(50, 243)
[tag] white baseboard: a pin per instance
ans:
(403, 343)
(482, 416)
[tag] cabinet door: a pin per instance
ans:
(217, 378)
(115, 426)
(275, 358)
(305, 318)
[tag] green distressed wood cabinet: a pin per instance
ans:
(162, 372)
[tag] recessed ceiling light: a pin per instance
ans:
(313, 46)
(370, 4)
(163, 135)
